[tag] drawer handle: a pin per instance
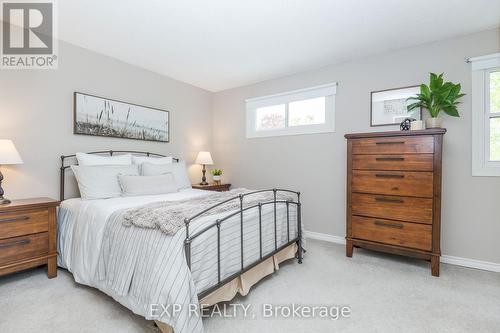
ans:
(383, 199)
(390, 159)
(389, 224)
(382, 175)
(11, 244)
(390, 143)
(13, 219)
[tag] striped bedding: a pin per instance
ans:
(141, 268)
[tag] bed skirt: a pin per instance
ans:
(242, 283)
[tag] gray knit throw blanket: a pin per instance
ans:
(169, 216)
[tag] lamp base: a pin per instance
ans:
(204, 178)
(4, 201)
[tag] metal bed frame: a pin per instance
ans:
(217, 224)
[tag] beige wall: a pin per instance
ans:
(316, 164)
(36, 112)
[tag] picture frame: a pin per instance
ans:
(389, 107)
(100, 116)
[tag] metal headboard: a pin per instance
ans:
(108, 152)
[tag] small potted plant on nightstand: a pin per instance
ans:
(216, 175)
(438, 96)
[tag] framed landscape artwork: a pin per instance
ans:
(100, 116)
(389, 107)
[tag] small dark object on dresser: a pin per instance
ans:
(406, 124)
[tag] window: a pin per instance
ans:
(486, 115)
(271, 117)
(304, 111)
(307, 112)
(494, 114)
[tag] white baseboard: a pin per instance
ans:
(458, 261)
(471, 263)
(324, 237)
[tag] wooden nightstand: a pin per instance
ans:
(213, 187)
(28, 236)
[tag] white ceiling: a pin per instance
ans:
(221, 44)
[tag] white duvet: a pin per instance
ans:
(143, 267)
(81, 227)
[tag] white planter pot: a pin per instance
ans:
(216, 179)
(417, 125)
(433, 122)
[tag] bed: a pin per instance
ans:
(167, 278)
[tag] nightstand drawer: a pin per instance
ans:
(213, 187)
(23, 223)
(25, 247)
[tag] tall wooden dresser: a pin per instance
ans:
(394, 193)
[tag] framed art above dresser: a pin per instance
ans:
(394, 193)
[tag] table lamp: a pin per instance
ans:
(204, 158)
(8, 155)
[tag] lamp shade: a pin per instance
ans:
(8, 153)
(204, 157)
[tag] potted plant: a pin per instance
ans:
(438, 96)
(216, 175)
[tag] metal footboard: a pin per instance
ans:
(258, 207)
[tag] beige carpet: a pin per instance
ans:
(386, 294)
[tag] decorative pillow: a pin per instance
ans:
(147, 185)
(177, 169)
(152, 160)
(101, 181)
(91, 159)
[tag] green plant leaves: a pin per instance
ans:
(438, 96)
(216, 172)
(425, 92)
(451, 111)
(414, 106)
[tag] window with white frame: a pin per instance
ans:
(304, 111)
(486, 115)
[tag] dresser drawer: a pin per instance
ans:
(410, 162)
(401, 183)
(23, 223)
(394, 145)
(392, 207)
(24, 247)
(411, 235)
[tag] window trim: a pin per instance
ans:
(481, 68)
(326, 90)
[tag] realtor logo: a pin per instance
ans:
(28, 35)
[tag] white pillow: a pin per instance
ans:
(91, 159)
(177, 169)
(152, 160)
(147, 185)
(101, 181)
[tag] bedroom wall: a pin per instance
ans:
(316, 164)
(36, 112)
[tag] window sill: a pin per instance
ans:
(288, 132)
(482, 171)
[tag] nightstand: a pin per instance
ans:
(213, 187)
(28, 236)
